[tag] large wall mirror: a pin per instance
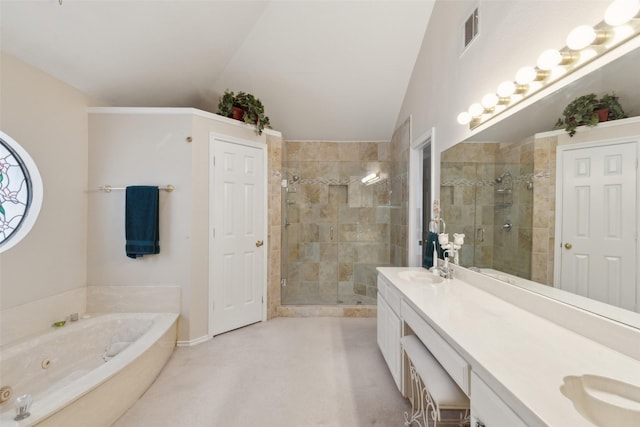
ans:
(499, 188)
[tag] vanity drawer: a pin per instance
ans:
(390, 294)
(487, 407)
(451, 361)
(382, 287)
(393, 299)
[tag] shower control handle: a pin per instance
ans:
(331, 233)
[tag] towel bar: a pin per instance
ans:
(107, 188)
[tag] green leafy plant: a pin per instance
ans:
(253, 110)
(611, 102)
(226, 103)
(583, 111)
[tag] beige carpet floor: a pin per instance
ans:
(282, 373)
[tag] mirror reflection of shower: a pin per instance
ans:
(504, 190)
(287, 183)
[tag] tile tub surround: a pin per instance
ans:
(338, 228)
(519, 351)
(133, 299)
(36, 317)
(96, 390)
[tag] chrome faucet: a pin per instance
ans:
(444, 271)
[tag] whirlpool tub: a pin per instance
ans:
(89, 371)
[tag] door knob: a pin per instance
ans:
(568, 246)
(259, 243)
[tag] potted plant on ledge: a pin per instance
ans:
(588, 110)
(245, 107)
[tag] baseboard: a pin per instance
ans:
(193, 342)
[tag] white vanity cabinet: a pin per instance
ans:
(390, 328)
(504, 348)
(455, 365)
(487, 409)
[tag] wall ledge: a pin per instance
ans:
(178, 111)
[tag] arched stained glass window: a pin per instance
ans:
(20, 192)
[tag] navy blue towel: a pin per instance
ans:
(432, 239)
(142, 221)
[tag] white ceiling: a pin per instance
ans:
(325, 70)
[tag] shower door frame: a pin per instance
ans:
(416, 193)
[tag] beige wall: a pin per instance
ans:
(512, 34)
(143, 149)
(49, 119)
(78, 239)
(161, 147)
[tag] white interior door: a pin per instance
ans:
(238, 206)
(598, 248)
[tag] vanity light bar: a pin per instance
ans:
(584, 44)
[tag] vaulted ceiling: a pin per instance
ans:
(325, 70)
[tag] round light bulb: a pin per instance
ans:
(506, 89)
(526, 75)
(464, 118)
(621, 33)
(581, 37)
(587, 54)
(621, 11)
(489, 100)
(549, 59)
(476, 109)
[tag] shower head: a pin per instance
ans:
(503, 176)
(295, 178)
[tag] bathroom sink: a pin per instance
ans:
(420, 276)
(604, 401)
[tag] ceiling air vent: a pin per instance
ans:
(471, 28)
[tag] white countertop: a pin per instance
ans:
(522, 356)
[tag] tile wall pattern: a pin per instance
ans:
(336, 230)
(274, 164)
(474, 203)
(399, 198)
(544, 210)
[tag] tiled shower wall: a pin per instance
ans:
(544, 208)
(475, 204)
(399, 200)
(512, 247)
(336, 229)
(467, 199)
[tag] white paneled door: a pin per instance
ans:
(238, 209)
(598, 249)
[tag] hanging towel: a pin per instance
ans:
(432, 238)
(141, 221)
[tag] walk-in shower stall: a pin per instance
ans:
(336, 222)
